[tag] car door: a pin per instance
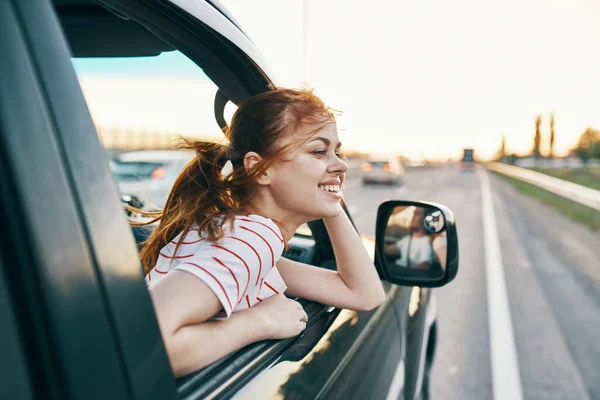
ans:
(68, 257)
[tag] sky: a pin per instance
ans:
(422, 79)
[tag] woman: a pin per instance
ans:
(415, 249)
(214, 266)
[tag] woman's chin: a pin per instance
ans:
(331, 211)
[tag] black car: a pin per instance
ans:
(77, 319)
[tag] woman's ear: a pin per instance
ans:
(251, 161)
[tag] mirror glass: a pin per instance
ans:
(415, 237)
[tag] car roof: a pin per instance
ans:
(93, 31)
(155, 155)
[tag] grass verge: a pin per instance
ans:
(575, 211)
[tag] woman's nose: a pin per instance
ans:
(339, 166)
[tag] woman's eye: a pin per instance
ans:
(320, 152)
(340, 154)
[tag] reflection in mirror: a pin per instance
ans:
(415, 238)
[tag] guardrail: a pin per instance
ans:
(569, 190)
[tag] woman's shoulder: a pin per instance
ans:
(257, 226)
(253, 231)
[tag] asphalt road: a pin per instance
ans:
(552, 275)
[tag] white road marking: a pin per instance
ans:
(506, 379)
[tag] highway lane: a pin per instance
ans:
(552, 274)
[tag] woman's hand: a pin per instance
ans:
(283, 317)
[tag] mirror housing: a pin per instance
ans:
(435, 219)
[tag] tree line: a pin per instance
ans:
(587, 148)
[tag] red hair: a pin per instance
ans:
(201, 196)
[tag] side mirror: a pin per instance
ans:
(416, 243)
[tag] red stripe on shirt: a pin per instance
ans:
(195, 241)
(186, 256)
(259, 299)
(255, 252)
(248, 301)
(264, 240)
(216, 280)
(265, 225)
(243, 262)
(271, 287)
(232, 275)
(160, 272)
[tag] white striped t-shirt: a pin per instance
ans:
(239, 268)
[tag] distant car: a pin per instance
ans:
(148, 175)
(468, 161)
(379, 170)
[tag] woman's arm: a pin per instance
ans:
(184, 304)
(355, 285)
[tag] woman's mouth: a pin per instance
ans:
(332, 190)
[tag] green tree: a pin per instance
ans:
(501, 155)
(552, 135)
(537, 139)
(588, 146)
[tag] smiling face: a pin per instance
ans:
(416, 224)
(306, 182)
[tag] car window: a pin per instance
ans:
(144, 104)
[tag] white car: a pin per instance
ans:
(149, 175)
(382, 170)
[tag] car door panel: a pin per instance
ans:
(341, 348)
(413, 316)
(16, 382)
(52, 280)
(64, 191)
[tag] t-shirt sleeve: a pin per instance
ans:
(235, 263)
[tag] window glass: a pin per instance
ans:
(141, 106)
